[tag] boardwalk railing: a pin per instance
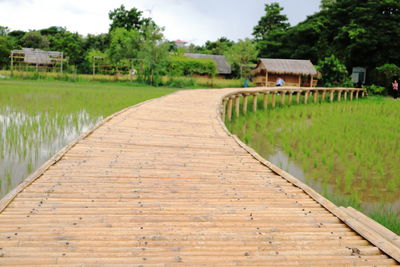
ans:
(375, 233)
(284, 95)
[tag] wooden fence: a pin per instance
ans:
(239, 101)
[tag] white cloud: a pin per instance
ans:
(191, 20)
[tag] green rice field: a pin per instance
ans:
(347, 151)
(38, 118)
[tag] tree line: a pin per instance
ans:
(342, 35)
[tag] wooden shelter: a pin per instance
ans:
(294, 72)
(40, 59)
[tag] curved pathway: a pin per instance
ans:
(163, 184)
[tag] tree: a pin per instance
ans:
(333, 71)
(153, 53)
(127, 19)
(34, 39)
(270, 29)
(6, 45)
(218, 47)
(273, 21)
(4, 31)
(124, 44)
(241, 54)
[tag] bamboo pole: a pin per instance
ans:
(237, 106)
(283, 94)
(265, 100)
(255, 102)
(224, 109)
(244, 107)
(298, 94)
(229, 115)
(316, 94)
(273, 99)
(323, 96)
(312, 81)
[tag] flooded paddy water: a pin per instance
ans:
(349, 151)
(38, 118)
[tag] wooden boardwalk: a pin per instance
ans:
(163, 184)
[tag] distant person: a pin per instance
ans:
(280, 82)
(395, 87)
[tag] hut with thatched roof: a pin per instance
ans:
(294, 72)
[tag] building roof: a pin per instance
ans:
(286, 66)
(222, 64)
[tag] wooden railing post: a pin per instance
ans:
(351, 95)
(229, 115)
(345, 95)
(273, 103)
(331, 95)
(306, 94)
(255, 102)
(339, 95)
(357, 92)
(244, 108)
(290, 97)
(363, 94)
(323, 95)
(237, 106)
(265, 100)
(316, 94)
(224, 108)
(283, 95)
(298, 94)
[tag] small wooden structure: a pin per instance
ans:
(294, 72)
(37, 58)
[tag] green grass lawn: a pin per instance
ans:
(348, 151)
(38, 118)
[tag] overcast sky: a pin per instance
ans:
(194, 21)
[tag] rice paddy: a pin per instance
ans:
(348, 151)
(38, 118)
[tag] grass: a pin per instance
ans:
(37, 118)
(180, 82)
(352, 148)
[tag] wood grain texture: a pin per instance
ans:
(164, 184)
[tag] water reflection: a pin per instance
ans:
(28, 140)
(279, 158)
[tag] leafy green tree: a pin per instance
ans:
(270, 29)
(333, 71)
(34, 39)
(153, 53)
(219, 47)
(385, 74)
(241, 54)
(127, 19)
(124, 44)
(4, 31)
(6, 45)
(273, 21)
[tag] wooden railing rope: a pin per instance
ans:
(232, 102)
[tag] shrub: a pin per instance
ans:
(180, 82)
(334, 73)
(385, 74)
(181, 66)
(375, 89)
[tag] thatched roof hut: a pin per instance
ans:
(268, 70)
(224, 68)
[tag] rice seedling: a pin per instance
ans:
(353, 148)
(38, 118)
